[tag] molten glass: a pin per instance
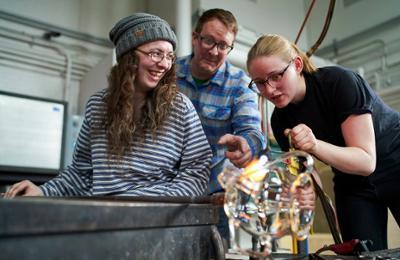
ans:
(261, 200)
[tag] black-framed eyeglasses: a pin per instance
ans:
(158, 56)
(273, 79)
(208, 42)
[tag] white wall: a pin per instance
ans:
(273, 16)
(95, 17)
(364, 36)
(56, 12)
(351, 19)
(95, 80)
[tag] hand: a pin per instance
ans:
(23, 188)
(239, 152)
(302, 138)
(306, 197)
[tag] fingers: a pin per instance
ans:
(238, 150)
(234, 142)
(302, 138)
(225, 139)
(230, 142)
(306, 197)
(14, 190)
(238, 158)
(17, 189)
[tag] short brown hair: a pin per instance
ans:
(222, 15)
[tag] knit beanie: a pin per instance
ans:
(137, 29)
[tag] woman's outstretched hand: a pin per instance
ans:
(23, 188)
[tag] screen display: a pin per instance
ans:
(31, 133)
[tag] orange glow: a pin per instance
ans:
(254, 171)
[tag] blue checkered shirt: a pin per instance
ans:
(225, 106)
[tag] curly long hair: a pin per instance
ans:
(121, 126)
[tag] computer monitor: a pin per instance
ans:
(32, 134)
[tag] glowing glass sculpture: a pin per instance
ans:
(261, 200)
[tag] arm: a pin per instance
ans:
(246, 121)
(60, 186)
(247, 140)
(69, 182)
(359, 155)
(76, 179)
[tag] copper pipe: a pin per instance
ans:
(325, 28)
(304, 22)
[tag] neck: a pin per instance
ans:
(198, 73)
(301, 91)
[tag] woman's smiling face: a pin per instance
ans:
(150, 72)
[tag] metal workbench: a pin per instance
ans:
(107, 228)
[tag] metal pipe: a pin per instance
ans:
(52, 28)
(23, 37)
(304, 22)
(183, 27)
(356, 50)
(327, 23)
(392, 23)
(36, 59)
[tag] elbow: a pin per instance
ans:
(367, 172)
(368, 164)
(369, 168)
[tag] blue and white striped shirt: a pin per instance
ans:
(225, 106)
(176, 163)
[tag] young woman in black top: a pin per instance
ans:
(333, 114)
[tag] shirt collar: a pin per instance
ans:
(184, 71)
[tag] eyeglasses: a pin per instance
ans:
(158, 56)
(208, 42)
(273, 79)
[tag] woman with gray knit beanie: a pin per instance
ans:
(140, 136)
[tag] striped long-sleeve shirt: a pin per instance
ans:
(225, 106)
(175, 163)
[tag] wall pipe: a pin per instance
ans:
(52, 28)
(183, 27)
(47, 44)
(392, 23)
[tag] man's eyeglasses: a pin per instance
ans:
(158, 56)
(208, 42)
(271, 80)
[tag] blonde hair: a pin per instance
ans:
(272, 44)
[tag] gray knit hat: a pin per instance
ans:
(137, 29)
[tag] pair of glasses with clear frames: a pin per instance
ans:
(208, 42)
(271, 80)
(158, 56)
